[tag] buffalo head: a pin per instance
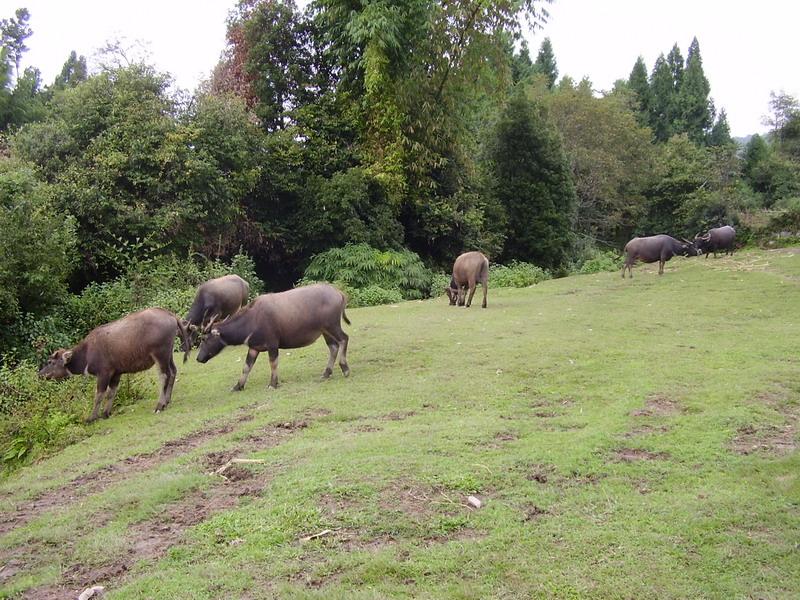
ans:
(56, 366)
(452, 294)
(688, 248)
(702, 242)
(211, 345)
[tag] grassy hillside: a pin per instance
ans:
(627, 439)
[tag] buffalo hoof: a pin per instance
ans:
(326, 373)
(237, 388)
(90, 420)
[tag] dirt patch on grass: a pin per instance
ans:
(422, 502)
(150, 539)
(775, 440)
(97, 481)
(398, 415)
(540, 473)
(636, 454)
(545, 414)
(532, 512)
(658, 405)
(644, 430)
(770, 439)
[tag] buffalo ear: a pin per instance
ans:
(67, 356)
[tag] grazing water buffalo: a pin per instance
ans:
(470, 269)
(655, 248)
(720, 238)
(128, 345)
(217, 299)
(290, 319)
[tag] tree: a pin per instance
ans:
(681, 177)
(611, 158)
(72, 73)
(37, 252)
(546, 63)
(521, 63)
(533, 184)
(675, 62)
(784, 108)
(13, 33)
(720, 133)
(139, 180)
(640, 87)
(695, 114)
(661, 107)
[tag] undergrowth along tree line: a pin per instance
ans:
(412, 131)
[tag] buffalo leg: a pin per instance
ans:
(472, 286)
(102, 387)
(333, 347)
(485, 285)
(273, 365)
(252, 355)
(462, 293)
(172, 373)
(113, 386)
(661, 267)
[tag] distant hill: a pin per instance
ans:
(744, 140)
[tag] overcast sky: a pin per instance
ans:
(748, 48)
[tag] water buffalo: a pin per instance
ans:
(217, 299)
(655, 248)
(720, 238)
(470, 269)
(129, 345)
(291, 319)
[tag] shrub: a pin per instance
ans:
(439, 282)
(355, 268)
(168, 282)
(516, 274)
(38, 417)
(601, 261)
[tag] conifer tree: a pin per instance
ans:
(721, 132)
(546, 63)
(661, 99)
(638, 84)
(695, 109)
(675, 61)
(534, 185)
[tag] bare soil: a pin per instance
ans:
(658, 405)
(150, 539)
(636, 454)
(97, 481)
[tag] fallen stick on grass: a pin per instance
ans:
(237, 461)
(316, 535)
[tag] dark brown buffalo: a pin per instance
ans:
(217, 299)
(290, 319)
(717, 239)
(470, 269)
(128, 345)
(655, 248)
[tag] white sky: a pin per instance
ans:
(748, 48)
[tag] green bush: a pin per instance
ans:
(38, 417)
(439, 283)
(361, 270)
(516, 274)
(601, 261)
(168, 282)
(374, 295)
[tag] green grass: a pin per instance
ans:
(532, 405)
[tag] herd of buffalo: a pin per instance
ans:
(220, 316)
